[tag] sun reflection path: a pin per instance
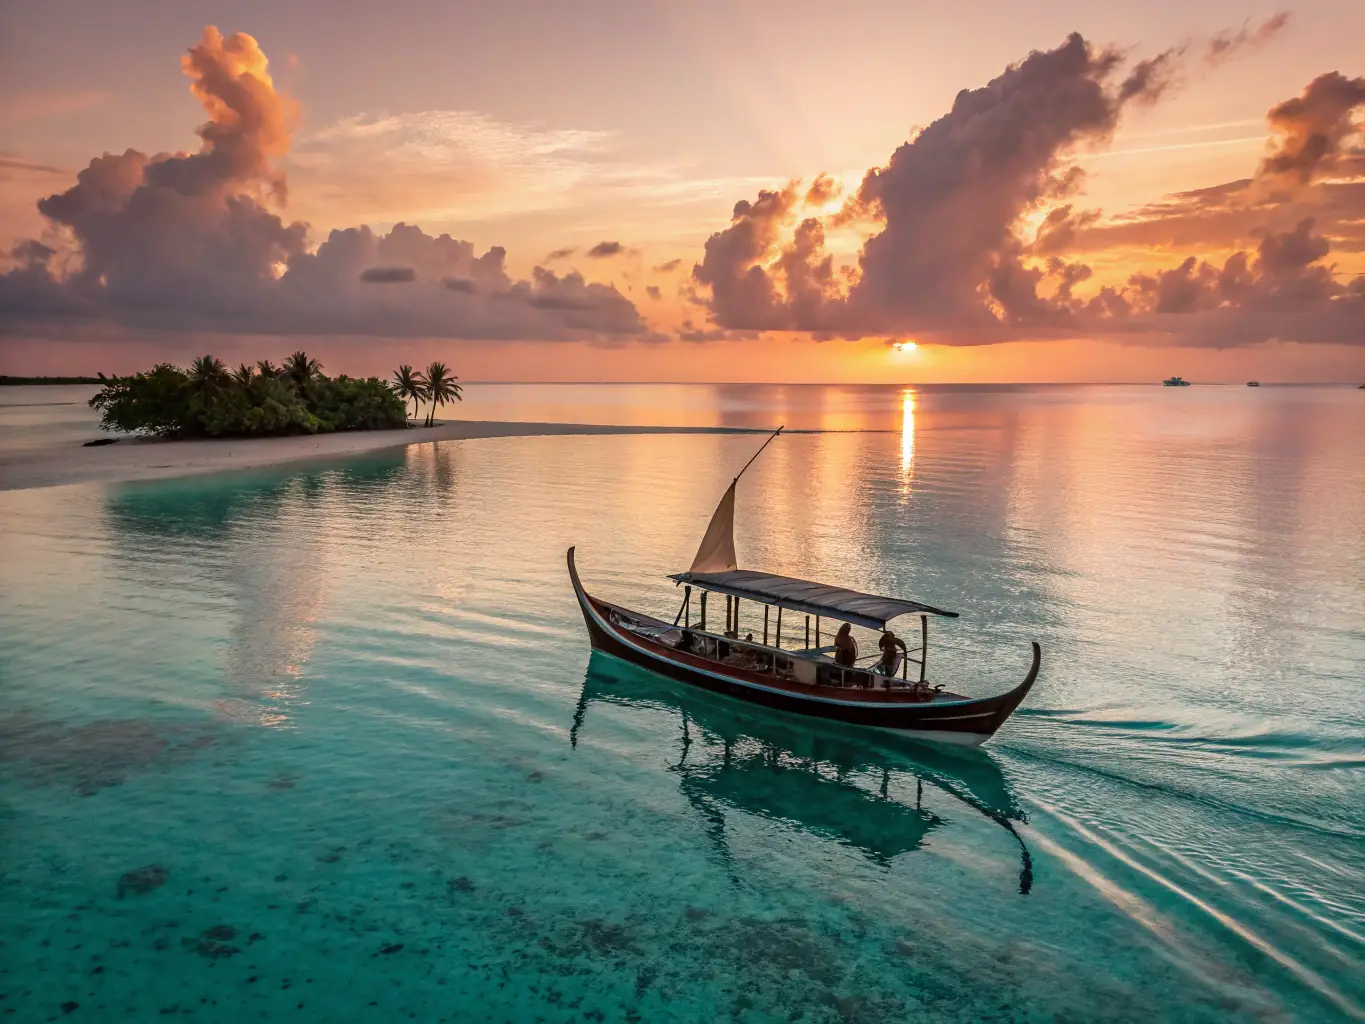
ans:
(908, 435)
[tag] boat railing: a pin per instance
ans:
(782, 662)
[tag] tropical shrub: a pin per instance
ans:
(348, 403)
(155, 401)
(210, 401)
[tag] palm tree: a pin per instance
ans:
(206, 382)
(408, 384)
(244, 375)
(207, 376)
(268, 369)
(300, 371)
(441, 388)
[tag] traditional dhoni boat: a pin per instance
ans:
(793, 673)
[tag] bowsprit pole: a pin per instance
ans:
(759, 452)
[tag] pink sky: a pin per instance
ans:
(622, 192)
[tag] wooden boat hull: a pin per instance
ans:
(967, 722)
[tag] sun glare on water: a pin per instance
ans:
(908, 434)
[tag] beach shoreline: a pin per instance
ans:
(136, 459)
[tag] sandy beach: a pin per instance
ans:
(150, 459)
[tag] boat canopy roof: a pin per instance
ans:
(804, 596)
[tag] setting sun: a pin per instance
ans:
(905, 346)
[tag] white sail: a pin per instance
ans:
(717, 551)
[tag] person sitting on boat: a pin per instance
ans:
(845, 647)
(891, 657)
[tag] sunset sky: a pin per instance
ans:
(710, 191)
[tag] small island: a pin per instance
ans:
(265, 400)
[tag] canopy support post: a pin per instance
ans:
(727, 614)
(807, 632)
(924, 645)
(686, 603)
(777, 641)
(765, 625)
(703, 610)
(817, 631)
(736, 616)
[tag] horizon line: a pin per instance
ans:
(829, 384)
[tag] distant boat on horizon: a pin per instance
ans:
(1253, 383)
(1175, 382)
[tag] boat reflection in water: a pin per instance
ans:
(803, 774)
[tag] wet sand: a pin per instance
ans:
(145, 459)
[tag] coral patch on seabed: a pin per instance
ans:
(143, 879)
(212, 942)
(94, 756)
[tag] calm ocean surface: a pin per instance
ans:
(327, 744)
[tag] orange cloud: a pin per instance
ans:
(249, 122)
(186, 242)
(949, 217)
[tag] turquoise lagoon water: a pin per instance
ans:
(327, 743)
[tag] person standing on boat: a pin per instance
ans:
(845, 647)
(891, 657)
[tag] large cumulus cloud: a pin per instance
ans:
(194, 242)
(1311, 128)
(948, 255)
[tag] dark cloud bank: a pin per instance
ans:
(190, 242)
(947, 258)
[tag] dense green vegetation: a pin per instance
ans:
(208, 400)
(13, 381)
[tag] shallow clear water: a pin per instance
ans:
(329, 745)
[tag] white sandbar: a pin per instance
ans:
(144, 459)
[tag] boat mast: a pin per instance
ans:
(717, 550)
